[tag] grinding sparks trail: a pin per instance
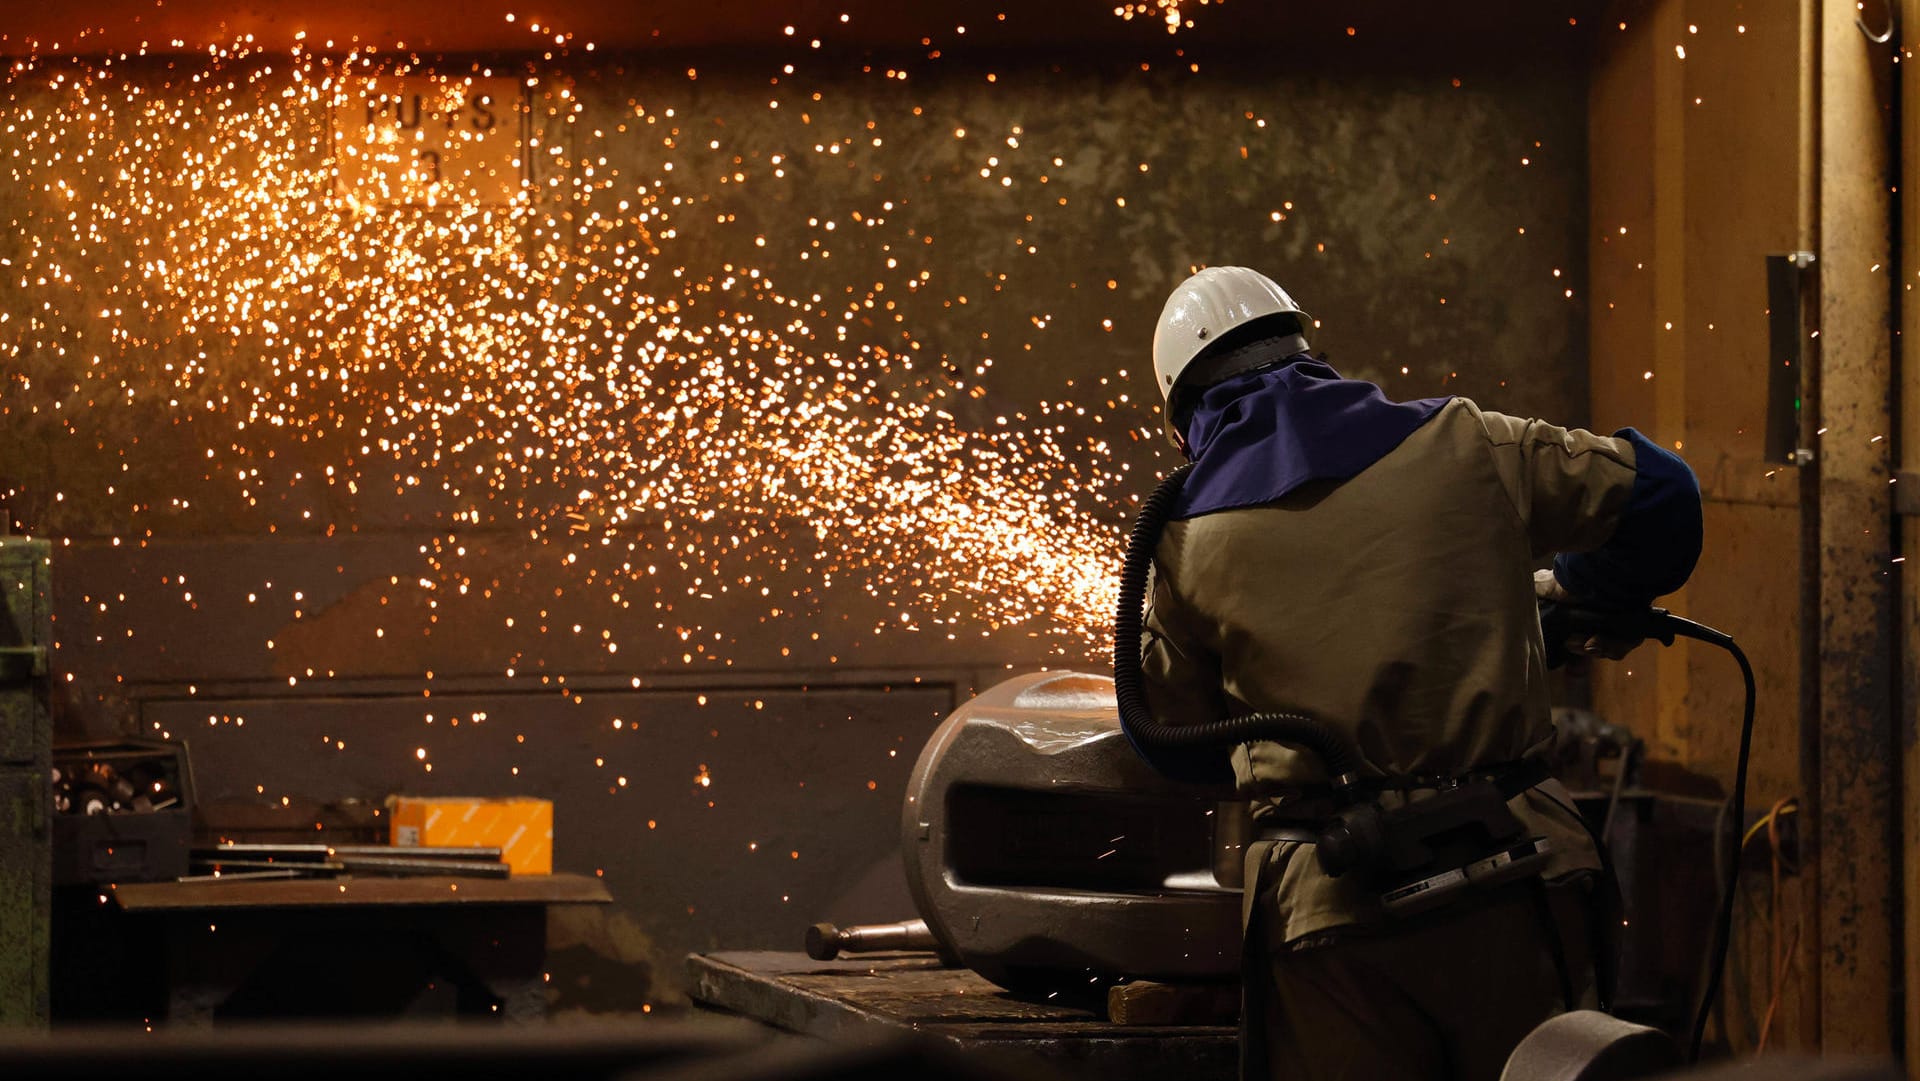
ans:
(1167, 11)
(519, 340)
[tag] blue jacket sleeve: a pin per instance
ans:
(1657, 542)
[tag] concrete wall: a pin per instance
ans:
(1426, 202)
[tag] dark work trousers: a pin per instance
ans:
(1443, 995)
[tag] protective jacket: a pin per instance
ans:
(1372, 566)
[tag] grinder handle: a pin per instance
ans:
(1560, 621)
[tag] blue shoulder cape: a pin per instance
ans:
(1259, 435)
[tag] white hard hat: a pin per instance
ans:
(1205, 307)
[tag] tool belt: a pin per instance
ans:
(1508, 778)
(1418, 853)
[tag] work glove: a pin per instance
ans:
(1564, 643)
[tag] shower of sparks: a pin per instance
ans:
(1167, 11)
(530, 352)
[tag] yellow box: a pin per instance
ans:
(522, 829)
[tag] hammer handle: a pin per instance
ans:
(826, 942)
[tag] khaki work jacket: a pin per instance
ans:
(1397, 605)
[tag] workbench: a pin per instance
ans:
(876, 994)
(354, 946)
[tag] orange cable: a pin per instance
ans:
(1778, 973)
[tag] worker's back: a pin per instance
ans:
(1396, 605)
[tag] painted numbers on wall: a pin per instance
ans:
(423, 138)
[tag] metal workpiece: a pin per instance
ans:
(1587, 1045)
(1043, 853)
(826, 942)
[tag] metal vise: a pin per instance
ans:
(1045, 855)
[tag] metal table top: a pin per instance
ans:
(875, 993)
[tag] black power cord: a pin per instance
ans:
(1562, 621)
(1172, 749)
(1723, 930)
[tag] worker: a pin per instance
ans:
(1370, 564)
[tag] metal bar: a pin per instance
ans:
(242, 876)
(260, 851)
(825, 941)
(425, 852)
(1807, 222)
(292, 867)
(391, 865)
(254, 850)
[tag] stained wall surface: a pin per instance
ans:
(1698, 176)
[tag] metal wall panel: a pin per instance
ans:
(25, 864)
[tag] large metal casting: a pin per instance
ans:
(1044, 854)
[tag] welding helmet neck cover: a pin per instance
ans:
(1203, 312)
